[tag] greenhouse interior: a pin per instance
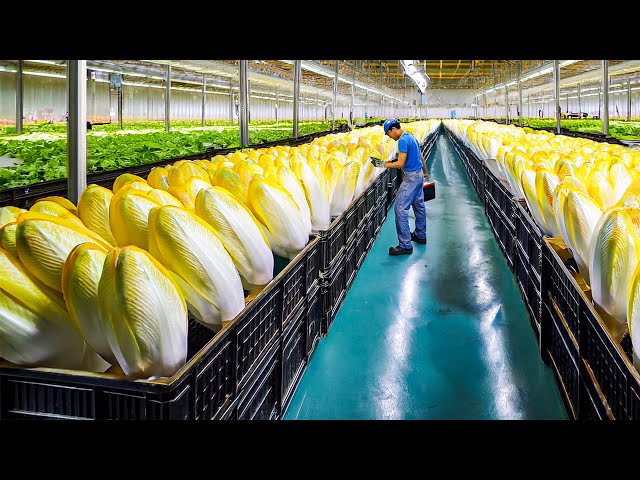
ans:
(319, 239)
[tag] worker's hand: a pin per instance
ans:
(377, 162)
(425, 175)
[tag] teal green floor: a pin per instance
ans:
(439, 334)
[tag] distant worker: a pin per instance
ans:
(410, 194)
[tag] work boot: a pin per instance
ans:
(400, 251)
(421, 241)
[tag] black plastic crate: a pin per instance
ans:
(350, 224)
(257, 330)
(332, 243)
(199, 390)
(369, 230)
(260, 399)
(379, 217)
(593, 405)
(361, 209)
(564, 367)
(380, 185)
(351, 265)
(482, 174)
(313, 319)
(530, 293)
(502, 229)
(528, 236)
(333, 293)
(294, 290)
(612, 369)
(362, 243)
(300, 273)
(370, 198)
(313, 259)
(500, 194)
(294, 356)
(560, 286)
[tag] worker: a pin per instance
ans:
(410, 194)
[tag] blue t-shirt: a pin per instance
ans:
(408, 144)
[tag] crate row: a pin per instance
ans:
(219, 365)
(503, 229)
(343, 230)
(474, 167)
(270, 388)
(530, 289)
(249, 369)
(605, 363)
(595, 373)
(338, 280)
(221, 368)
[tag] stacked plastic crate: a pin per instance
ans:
(594, 372)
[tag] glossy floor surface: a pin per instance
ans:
(439, 334)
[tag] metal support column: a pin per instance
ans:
(520, 93)
(382, 114)
(528, 106)
(579, 106)
(167, 101)
(335, 95)
(76, 129)
(243, 103)
(353, 96)
(19, 93)
(120, 104)
(506, 105)
(556, 91)
(297, 74)
(248, 101)
(204, 96)
(231, 105)
(628, 99)
(93, 100)
(277, 103)
(605, 96)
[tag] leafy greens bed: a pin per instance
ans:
(624, 130)
(45, 159)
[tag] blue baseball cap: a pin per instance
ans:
(387, 124)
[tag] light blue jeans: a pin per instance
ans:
(410, 195)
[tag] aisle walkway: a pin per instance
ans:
(440, 334)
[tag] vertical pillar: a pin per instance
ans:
(243, 103)
(605, 96)
(19, 96)
(556, 88)
(204, 96)
(167, 101)
(297, 73)
(76, 128)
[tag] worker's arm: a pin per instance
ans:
(402, 158)
(425, 173)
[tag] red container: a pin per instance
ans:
(429, 191)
